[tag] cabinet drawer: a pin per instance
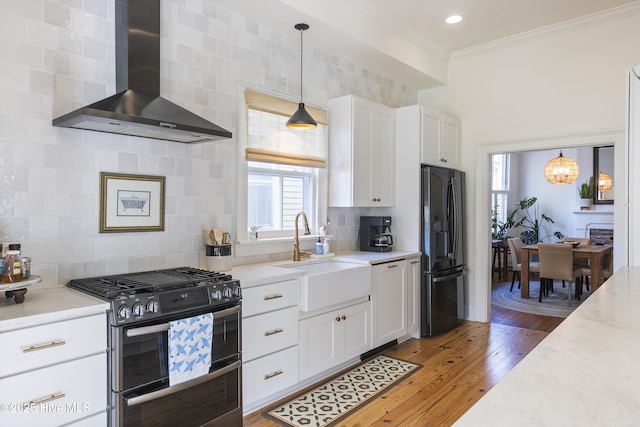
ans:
(44, 345)
(56, 395)
(274, 296)
(269, 332)
(270, 374)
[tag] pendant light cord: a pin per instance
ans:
(301, 31)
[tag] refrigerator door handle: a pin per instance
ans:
(448, 276)
(454, 221)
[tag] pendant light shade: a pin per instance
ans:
(604, 182)
(561, 170)
(301, 119)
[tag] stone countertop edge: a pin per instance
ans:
(584, 373)
(50, 304)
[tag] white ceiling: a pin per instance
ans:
(408, 39)
(483, 20)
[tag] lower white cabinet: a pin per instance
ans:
(388, 302)
(270, 315)
(55, 395)
(329, 339)
(269, 374)
(414, 274)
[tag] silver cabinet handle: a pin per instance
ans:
(273, 332)
(273, 374)
(51, 398)
(270, 297)
(392, 266)
(415, 262)
(43, 346)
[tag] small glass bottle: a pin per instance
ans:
(12, 267)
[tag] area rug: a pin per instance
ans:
(341, 396)
(554, 305)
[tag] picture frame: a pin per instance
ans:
(131, 203)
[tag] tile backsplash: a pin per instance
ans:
(56, 56)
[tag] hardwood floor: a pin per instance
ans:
(458, 368)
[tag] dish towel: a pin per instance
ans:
(190, 348)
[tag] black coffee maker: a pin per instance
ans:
(375, 234)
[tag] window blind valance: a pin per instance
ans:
(269, 140)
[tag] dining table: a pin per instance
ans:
(599, 257)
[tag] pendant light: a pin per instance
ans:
(604, 182)
(561, 170)
(301, 119)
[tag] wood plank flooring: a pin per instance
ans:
(459, 367)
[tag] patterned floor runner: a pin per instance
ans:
(340, 396)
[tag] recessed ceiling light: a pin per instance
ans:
(453, 19)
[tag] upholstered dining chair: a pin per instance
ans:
(582, 263)
(556, 262)
(515, 247)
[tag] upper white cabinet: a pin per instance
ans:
(361, 153)
(438, 133)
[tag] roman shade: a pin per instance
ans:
(269, 140)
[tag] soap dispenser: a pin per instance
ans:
(319, 247)
(325, 246)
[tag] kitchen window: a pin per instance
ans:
(286, 169)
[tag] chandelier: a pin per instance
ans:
(561, 170)
(604, 182)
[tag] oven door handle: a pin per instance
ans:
(133, 401)
(161, 327)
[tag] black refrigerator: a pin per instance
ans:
(442, 244)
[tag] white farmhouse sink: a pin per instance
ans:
(328, 283)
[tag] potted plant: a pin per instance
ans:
(253, 231)
(527, 216)
(499, 229)
(585, 192)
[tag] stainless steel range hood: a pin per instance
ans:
(138, 109)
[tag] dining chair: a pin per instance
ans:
(582, 263)
(515, 247)
(556, 262)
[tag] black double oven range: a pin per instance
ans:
(142, 307)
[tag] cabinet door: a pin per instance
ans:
(318, 344)
(431, 136)
(389, 302)
(450, 142)
(356, 337)
(383, 164)
(414, 274)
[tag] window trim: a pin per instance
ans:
(264, 246)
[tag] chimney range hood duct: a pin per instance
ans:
(138, 109)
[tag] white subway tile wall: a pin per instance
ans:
(56, 56)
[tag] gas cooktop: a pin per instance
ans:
(148, 295)
(110, 287)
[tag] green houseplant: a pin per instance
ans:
(587, 189)
(527, 216)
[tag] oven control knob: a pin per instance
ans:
(124, 312)
(237, 292)
(138, 309)
(227, 292)
(216, 295)
(152, 306)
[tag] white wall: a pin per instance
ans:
(564, 89)
(56, 56)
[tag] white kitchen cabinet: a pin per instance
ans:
(269, 339)
(328, 339)
(388, 302)
(414, 274)
(361, 153)
(438, 133)
(55, 373)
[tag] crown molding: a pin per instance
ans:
(551, 30)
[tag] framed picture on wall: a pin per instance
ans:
(131, 203)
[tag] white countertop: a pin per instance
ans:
(47, 305)
(585, 373)
(251, 275)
